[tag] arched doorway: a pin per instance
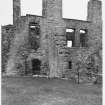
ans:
(36, 64)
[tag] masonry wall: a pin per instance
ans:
(7, 39)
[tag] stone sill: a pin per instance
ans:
(75, 48)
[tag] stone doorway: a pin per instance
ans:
(36, 66)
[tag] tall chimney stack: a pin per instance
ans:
(95, 12)
(16, 10)
(52, 9)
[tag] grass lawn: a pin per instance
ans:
(42, 91)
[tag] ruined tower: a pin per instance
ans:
(40, 44)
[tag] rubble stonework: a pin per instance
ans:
(44, 38)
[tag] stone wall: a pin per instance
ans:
(18, 49)
(7, 39)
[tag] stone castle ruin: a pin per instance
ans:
(50, 44)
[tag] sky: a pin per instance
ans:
(73, 9)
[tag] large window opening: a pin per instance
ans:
(70, 36)
(34, 35)
(83, 37)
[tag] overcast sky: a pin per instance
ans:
(74, 9)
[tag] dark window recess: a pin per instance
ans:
(34, 27)
(70, 37)
(70, 65)
(36, 64)
(34, 35)
(83, 38)
(7, 29)
(61, 52)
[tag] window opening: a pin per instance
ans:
(83, 33)
(34, 35)
(70, 64)
(69, 43)
(70, 36)
(69, 30)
